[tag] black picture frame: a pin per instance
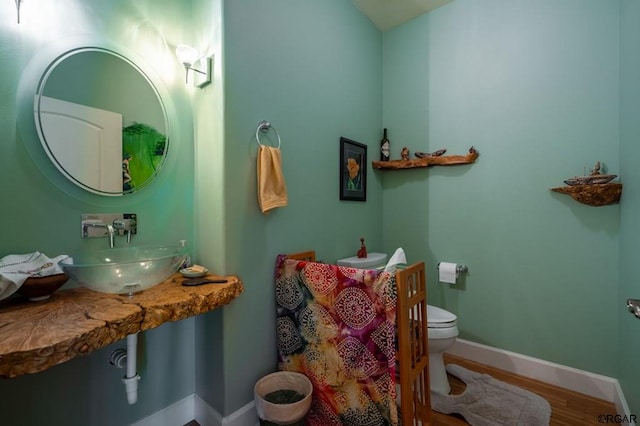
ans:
(353, 170)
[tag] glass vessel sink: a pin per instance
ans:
(124, 270)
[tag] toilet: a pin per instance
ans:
(443, 331)
(372, 261)
(443, 328)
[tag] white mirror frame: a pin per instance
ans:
(29, 92)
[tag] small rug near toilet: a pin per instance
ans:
(489, 402)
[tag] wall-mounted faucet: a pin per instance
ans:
(109, 225)
(111, 232)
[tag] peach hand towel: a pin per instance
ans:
(272, 189)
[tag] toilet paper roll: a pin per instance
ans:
(448, 272)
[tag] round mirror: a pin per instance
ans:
(101, 121)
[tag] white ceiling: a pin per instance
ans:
(386, 14)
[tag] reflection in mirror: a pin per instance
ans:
(101, 121)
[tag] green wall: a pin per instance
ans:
(629, 345)
(44, 215)
(313, 69)
(210, 200)
(534, 87)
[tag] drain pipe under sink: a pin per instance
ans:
(131, 378)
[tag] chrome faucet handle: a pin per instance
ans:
(124, 224)
(128, 226)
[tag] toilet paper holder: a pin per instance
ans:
(460, 269)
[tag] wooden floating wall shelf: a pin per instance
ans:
(593, 195)
(442, 160)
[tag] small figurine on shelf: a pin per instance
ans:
(437, 153)
(363, 249)
(595, 177)
(404, 153)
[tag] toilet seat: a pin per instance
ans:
(440, 318)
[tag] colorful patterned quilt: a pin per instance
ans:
(336, 325)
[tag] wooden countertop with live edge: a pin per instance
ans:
(35, 336)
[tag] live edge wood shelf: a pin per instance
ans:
(593, 195)
(442, 160)
(35, 336)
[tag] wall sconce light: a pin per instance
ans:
(200, 65)
(18, 3)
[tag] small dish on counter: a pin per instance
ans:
(41, 288)
(194, 272)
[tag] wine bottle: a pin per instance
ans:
(385, 147)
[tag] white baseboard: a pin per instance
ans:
(194, 408)
(206, 415)
(591, 384)
(595, 385)
(176, 414)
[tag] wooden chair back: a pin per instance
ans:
(413, 346)
(309, 256)
(413, 340)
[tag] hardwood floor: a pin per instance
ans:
(568, 408)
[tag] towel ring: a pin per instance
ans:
(264, 126)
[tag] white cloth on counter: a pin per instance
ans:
(16, 268)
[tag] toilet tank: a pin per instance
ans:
(372, 261)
